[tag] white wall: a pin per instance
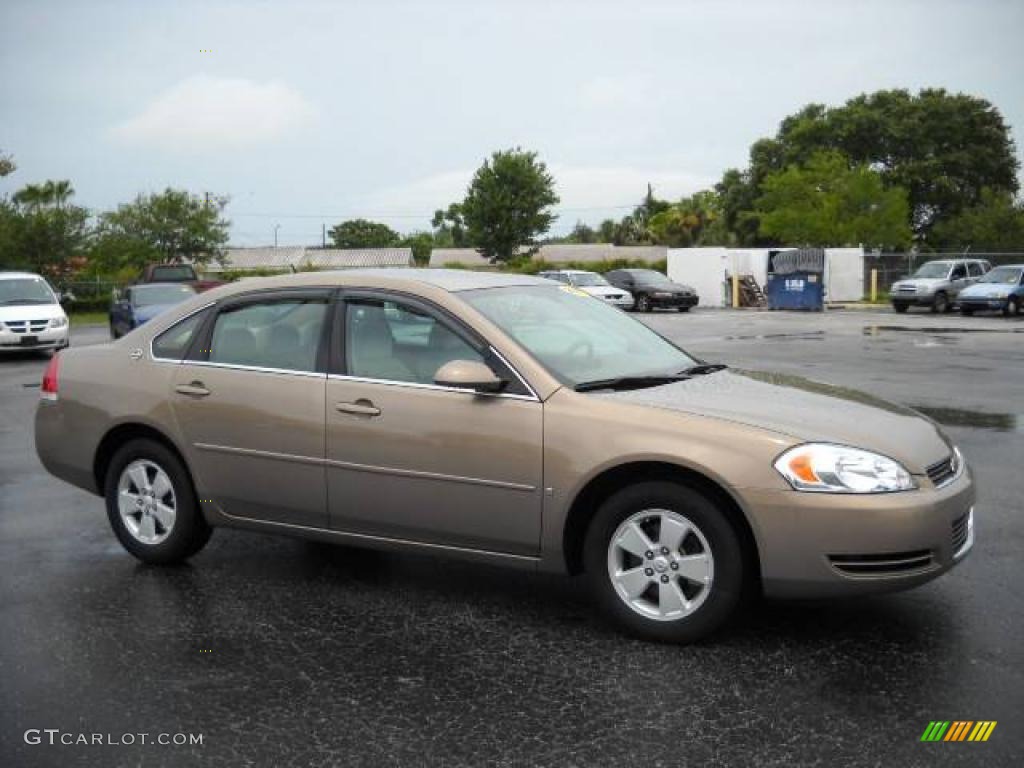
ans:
(705, 269)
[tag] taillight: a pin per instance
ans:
(49, 388)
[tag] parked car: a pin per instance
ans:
(31, 316)
(528, 426)
(936, 284)
(177, 273)
(138, 304)
(653, 290)
(1002, 289)
(592, 283)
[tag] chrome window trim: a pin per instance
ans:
(436, 387)
(255, 368)
(183, 318)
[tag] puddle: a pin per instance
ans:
(813, 335)
(874, 330)
(957, 417)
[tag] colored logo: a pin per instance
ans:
(958, 730)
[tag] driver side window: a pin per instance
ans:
(959, 272)
(392, 341)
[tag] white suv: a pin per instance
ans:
(30, 314)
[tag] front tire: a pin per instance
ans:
(940, 304)
(664, 562)
(151, 504)
(643, 304)
(900, 307)
(1012, 307)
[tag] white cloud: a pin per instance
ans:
(204, 112)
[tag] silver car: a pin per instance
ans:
(937, 284)
(592, 283)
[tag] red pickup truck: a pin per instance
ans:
(177, 273)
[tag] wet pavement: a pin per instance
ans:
(280, 652)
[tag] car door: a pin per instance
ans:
(957, 278)
(410, 460)
(251, 406)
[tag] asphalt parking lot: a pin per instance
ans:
(286, 653)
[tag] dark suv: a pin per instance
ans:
(652, 290)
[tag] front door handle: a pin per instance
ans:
(359, 408)
(195, 389)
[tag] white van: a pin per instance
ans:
(31, 316)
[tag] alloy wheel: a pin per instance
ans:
(146, 501)
(660, 564)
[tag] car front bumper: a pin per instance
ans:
(913, 299)
(48, 338)
(673, 302)
(982, 304)
(812, 547)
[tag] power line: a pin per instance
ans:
(396, 215)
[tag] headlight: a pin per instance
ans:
(58, 322)
(826, 468)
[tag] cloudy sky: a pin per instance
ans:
(312, 112)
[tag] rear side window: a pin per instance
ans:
(282, 334)
(974, 269)
(173, 343)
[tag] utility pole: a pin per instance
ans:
(276, 227)
(323, 235)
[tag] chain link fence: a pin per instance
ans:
(893, 266)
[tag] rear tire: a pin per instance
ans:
(689, 581)
(900, 308)
(684, 309)
(152, 505)
(966, 312)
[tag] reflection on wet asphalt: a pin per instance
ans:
(286, 653)
(957, 417)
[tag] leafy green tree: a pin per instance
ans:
(942, 148)
(582, 233)
(606, 231)
(449, 228)
(508, 204)
(170, 226)
(995, 224)
(827, 203)
(41, 232)
(361, 233)
(421, 243)
(7, 166)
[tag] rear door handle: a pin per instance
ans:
(359, 408)
(195, 389)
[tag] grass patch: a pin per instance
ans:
(88, 318)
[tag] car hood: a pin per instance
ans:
(804, 410)
(30, 311)
(987, 291)
(921, 282)
(604, 290)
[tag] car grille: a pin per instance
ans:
(614, 296)
(942, 472)
(881, 565)
(960, 531)
(907, 289)
(26, 326)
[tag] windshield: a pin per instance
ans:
(588, 279)
(26, 290)
(576, 337)
(933, 269)
(650, 277)
(173, 272)
(148, 295)
(1004, 275)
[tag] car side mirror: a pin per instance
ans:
(468, 374)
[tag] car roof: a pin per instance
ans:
(448, 280)
(19, 275)
(1008, 266)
